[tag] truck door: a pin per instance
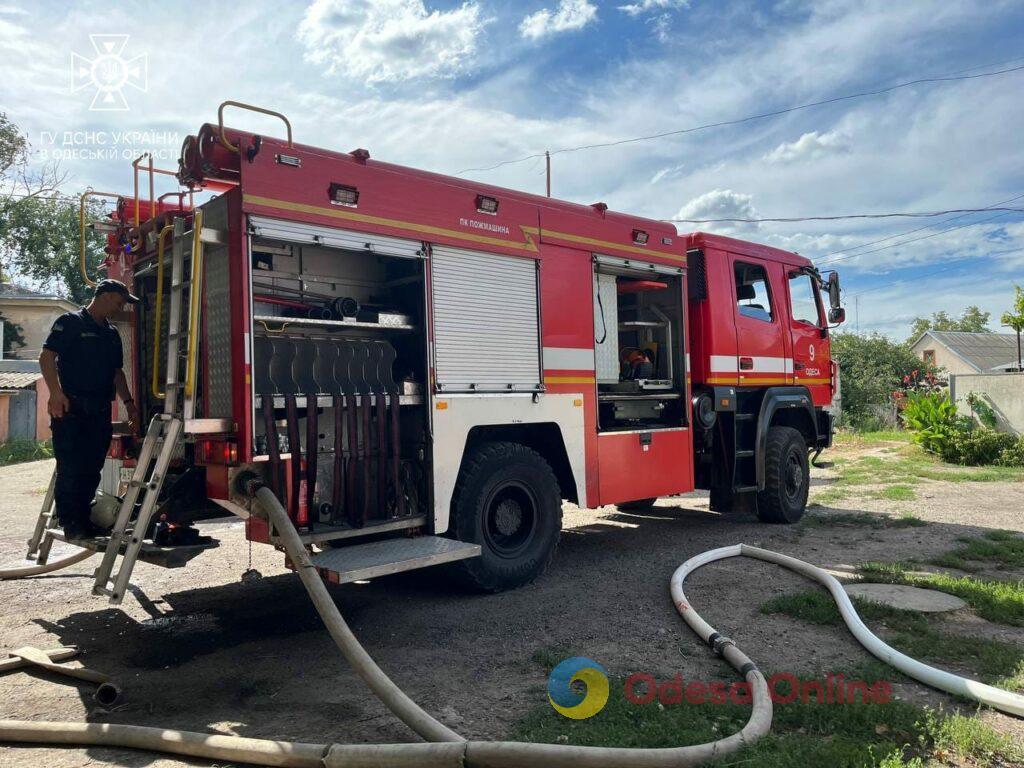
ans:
(761, 343)
(810, 343)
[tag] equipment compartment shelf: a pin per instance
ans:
(388, 322)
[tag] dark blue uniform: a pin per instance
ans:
(88, 356)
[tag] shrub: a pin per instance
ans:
(22, 449)
(933, 418)
(1012, 455)
(975, 447)
(870, 368)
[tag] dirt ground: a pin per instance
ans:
(198, 649)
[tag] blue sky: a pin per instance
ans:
(453, 85)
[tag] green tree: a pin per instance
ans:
(972, 320)
(39, 230)
(13, 340)
(871, 368)
(1014, 318)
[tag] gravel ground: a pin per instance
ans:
(197, 649)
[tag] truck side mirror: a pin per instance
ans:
(837, 316)
(832, 286)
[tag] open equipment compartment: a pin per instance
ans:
(638, 327)
(339, 365)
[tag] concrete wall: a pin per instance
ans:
(35, 319)
(1003, 391)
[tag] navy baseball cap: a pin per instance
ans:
(115, 286)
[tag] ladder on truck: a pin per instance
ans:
(165, 430)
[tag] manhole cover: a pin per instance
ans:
(907, 598)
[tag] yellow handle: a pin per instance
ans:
(195, 296)
(81, 231)
(251, 108)
(152, 193)
(160, 245)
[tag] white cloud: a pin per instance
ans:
(645, 6)
(719, 204)
(383, 41)
(810, 146)
(668, 172)
(569, 16)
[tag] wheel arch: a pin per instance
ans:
(543, 437)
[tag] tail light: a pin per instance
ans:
(217, 452)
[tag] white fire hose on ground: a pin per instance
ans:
(447, 749)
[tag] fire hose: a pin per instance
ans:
(447, 749)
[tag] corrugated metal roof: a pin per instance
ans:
(18, 380)
(12, 291)
(982, 350)
(19, 366)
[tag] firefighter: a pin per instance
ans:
(82, 363)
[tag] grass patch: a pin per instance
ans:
(830, 496)
(892, 735)
(898, 492)
(997, 601)
(21, 450)
(967, 738)
(908, 464)
(844, 736)
(995, 662)
(1005, 549)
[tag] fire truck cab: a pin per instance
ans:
(423, 367)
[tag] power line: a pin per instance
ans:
(914, 239)
(920, 215)
(957, 265)
(912, 231)
(761, 116)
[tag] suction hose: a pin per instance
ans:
(449, 750)
(22, 572)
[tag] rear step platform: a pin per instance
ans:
(381, 558)
(155, 554)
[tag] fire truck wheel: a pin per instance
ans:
(508, 501)
(639, 504)
(787, 479)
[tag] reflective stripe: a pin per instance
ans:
(731, 364)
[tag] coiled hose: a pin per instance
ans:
(449, 750)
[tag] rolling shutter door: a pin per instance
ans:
(332, 237)
(486, 335)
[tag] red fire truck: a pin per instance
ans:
(424, 367)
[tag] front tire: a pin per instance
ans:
(787, 478)
(508, 501)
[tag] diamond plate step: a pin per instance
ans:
(380, 558)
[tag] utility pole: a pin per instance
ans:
(856, 312)
(547, 160)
